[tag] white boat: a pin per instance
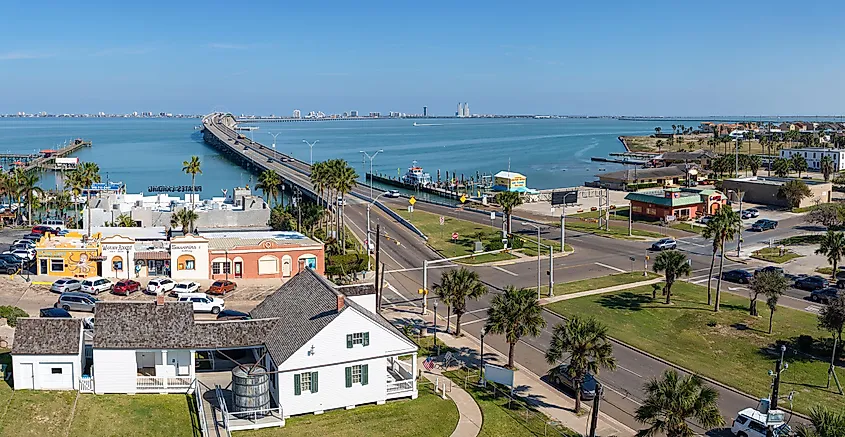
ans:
(416, 176)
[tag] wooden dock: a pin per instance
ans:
(45, 160)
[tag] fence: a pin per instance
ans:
(517, 407)
(86, 384)
(164, 383)
(196, 389)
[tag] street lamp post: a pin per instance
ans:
(311, 146)
(738, 194)
(481, 369)
(563, 221)
(274, 140)
(538, 256)
(226, 266)
(371, 158)
(436, 348)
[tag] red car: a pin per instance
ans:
(222, 287)
(41, 230)
(126, 286)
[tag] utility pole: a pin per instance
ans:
(776, 384)
(595, 413)
(375, 279)
(551, 271)
(832, 370)
(630, 219)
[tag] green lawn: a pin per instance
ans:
(613, 232)
(440, 237)
(428, 415)
(729, 346)
(600, 282)
(501, 420)
(772, 254)
(615, 214)
(688, 226)
(802, 240)
(529, 245)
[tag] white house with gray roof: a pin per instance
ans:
(47, 354)
(323, 347)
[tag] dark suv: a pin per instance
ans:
(764, 225)
(825, 295)
(811, 283)
(739, 276)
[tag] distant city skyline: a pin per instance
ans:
(642, 58)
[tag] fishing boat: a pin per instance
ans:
(416, 176)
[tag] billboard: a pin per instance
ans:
(561, 197)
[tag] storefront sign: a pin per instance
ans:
(185, 247)
(118, 248)
(174, 189)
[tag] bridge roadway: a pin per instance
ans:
(403, 254)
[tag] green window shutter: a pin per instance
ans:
(297, 385)
(349, 341)
(313, 382)
(348, 377)
(366, 339)
(364, 374)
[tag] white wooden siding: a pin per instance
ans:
(331, 388)
(115, 371)
(42, 377)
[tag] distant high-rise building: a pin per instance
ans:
(297, 113)
(425, 111)
(353, 113)
(460, 111)
(466, 109)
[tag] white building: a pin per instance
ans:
(297, 113)
(47, 354)
(814, 155)
(320, 347)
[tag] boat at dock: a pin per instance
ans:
(416, 176)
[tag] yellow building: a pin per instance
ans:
(509, 181)
(70, 255)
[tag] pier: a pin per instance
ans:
(44, 160)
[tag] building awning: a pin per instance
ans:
(152, 254)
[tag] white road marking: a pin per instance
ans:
(398, 264)
(702, 280)
(414, 269)
(472, 312)
(505, 271)
(630, 371)
(690, 242)
(473, 321)
(736, 288)
(396, 292)
(813, 309)
(611, 267)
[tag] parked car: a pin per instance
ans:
(706, 219)
(24, 247)
(222, 287)
(764, 225)
(32, 237)
(160, 285)
(95, 285)
(74, 301)
(233, 315)
(770, 269)
(825, 295)
(752, 423)
(29, 243)
(11, 259)
(184, 287)
(203, 303)
(754, 212)
(738, 276)
(664, 244)
(24, 254)
(55, 224)
(393, 193)
(88, 323)
(41, 230)
(64, 285)
(54, 312)
(588, 387)
(8, 268)
(125, 286)
(744, 214)
(811, 283)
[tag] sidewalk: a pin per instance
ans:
(469, 423)
(546, 398)
(548, 300)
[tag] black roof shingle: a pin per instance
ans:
(47, 336)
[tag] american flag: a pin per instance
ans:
(428, 364)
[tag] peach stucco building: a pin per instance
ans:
(262, 254)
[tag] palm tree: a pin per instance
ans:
(589, 349)
(185, 218)
(88, 175)
(781, 167)
(508, 200)
(730, 226)
(657, 130)
(192, 168)
(268, 182)
(319, 178)
(27, 182)
(827, 167)
(515, 313)
(713, 232)
(673, 399)
(754, 162)
(72, 180)
(673, 264)
(124, 221)
(345, 179)
(455, 287)
(825, 423)
(833, 247)
(799, 163)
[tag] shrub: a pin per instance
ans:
(494, 245)
(516, 243)
(339, 265)
(804, 343)
(11, 314)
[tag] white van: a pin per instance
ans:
(54, 223)
(95, 285)
(203, 303)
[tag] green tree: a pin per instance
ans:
(185, 218)
(87, 174)
(673, 264)
(269, 182)
(765, 283)
(588, 346)
(124, 221)
(825, 423)
(63, 202)
(773, 294)
(281, 219)
(827, 167)
(799, 163)
(27, 183)
(193, 168)
(833, 247)
(508, 200)
(794, 191)
(829, 215)
(657, 130)
(344, 180)
(781, 167)
(754, 162)
(672, 400)
(514, 314)
(455, 287)
(730, 225)
(832, 319)
(319, 179)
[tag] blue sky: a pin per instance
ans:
(562, 57)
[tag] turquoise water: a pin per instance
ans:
(143, 152)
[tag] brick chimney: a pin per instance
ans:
(159, 299)
(340, 302)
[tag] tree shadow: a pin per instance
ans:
(803, 348)
(624, 301)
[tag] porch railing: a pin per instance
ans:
(400, 386)
(164, 383)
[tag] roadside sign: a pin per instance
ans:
(411, 208)
(412, 200)
(454, 235)
(463, 198)
(442, 220)
(632, 258)
(492, 215)
(564, 197)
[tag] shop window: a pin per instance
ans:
(117, 263)
(268, 265)
(186, 262)
(57, 265)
